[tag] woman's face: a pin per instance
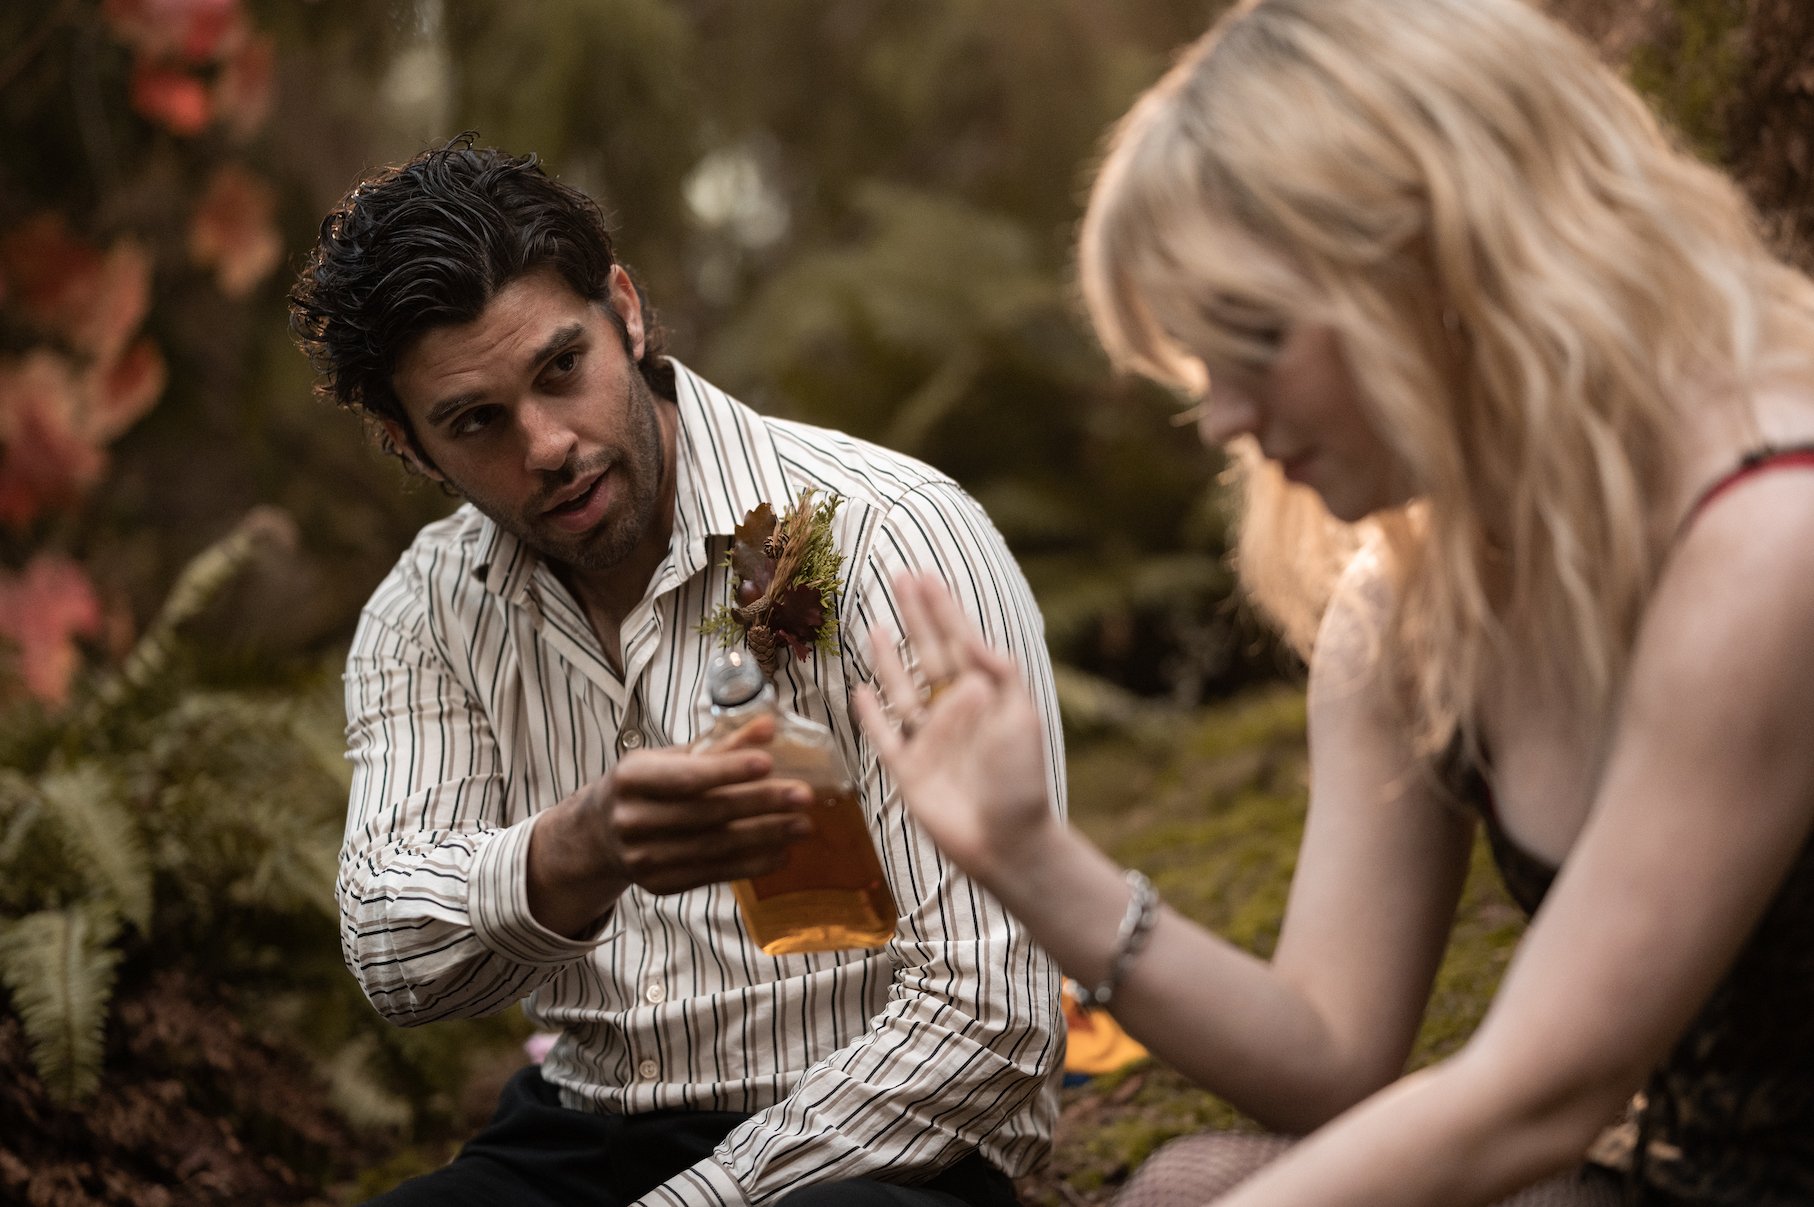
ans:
(1302, 406)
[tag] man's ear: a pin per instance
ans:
(405, 444)
(628, 305)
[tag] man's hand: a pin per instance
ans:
(667, 821)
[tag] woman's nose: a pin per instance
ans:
(1225, 415)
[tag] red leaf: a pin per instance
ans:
(234, 230)
(66, 285)
(54, 275)
(172, 98)
(247, 84)
(49, 458)
(198, 30)
(123, 391)
(42, 611)
(122, 295)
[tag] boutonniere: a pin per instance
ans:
(784, 582)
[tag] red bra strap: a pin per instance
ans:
(1800, 456)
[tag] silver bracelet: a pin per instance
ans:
(1136, 926)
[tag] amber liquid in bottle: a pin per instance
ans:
(831, 894)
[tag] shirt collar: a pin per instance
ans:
(725, 466)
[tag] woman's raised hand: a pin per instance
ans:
(959, 733)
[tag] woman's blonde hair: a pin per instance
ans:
(1531, 283)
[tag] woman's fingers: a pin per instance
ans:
(936, 655)
(899, 690)
(876, 723)
(961, 643)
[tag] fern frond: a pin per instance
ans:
(359, 1092)
(101, 838)
(21, 806)
(59, 967)
(197, 586)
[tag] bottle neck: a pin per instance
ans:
(765, 700)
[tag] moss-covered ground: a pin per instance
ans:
(1211, 806)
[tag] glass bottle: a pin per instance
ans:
(831, 893)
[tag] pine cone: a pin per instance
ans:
(762, 644)
(775, 543)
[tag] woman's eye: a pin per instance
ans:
(1250, 332)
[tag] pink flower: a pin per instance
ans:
(42, 611)
(234, 230)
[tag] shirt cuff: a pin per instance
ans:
(707, 1184)
(497, 901)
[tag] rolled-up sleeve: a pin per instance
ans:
(432, 888)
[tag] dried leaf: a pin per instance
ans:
(748, 561)
(796, 616)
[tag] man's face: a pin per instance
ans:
(536, 414)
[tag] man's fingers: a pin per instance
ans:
(748, 846)
(680, 774)
(757, 731)
(645, 818)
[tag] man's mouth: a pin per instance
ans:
(577, 499)
(579, 509)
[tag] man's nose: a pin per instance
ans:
(548, 440)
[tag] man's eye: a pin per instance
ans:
(566, 362)
(471, 422)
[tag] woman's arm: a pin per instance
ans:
(1705, 803)
(1292, 1042)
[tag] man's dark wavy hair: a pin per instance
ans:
(430, 243)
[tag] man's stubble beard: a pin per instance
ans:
(640, 467)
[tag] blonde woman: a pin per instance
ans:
(1524, 409)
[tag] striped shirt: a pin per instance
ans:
(478, 695)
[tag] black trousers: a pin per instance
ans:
(537, 1153)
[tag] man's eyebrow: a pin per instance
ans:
(553, 346)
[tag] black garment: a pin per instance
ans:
(537, 1153)
(1727, 1120)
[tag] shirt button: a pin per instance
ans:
(647, 1070)
(654, 994)
(630, 739)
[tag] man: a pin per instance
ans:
(525, 822)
